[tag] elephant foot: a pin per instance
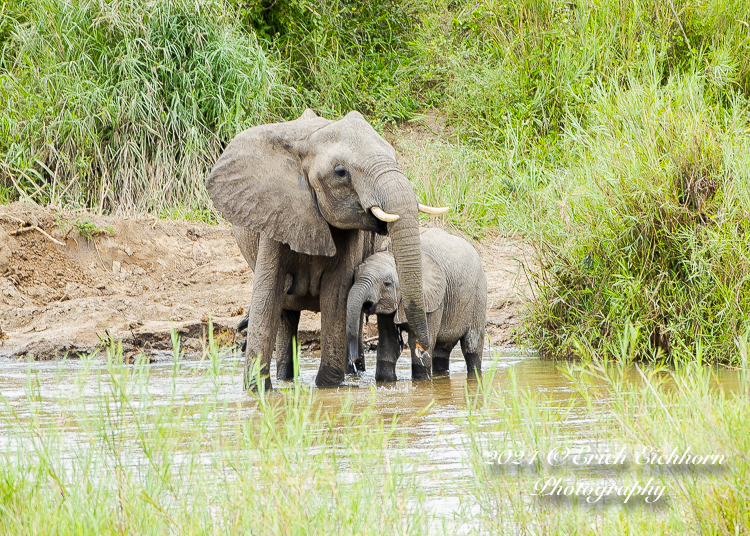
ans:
(440, 364)
(241, 327)
(253, 376)
(420, 372)
(385, 371)
(357, 367)
(252, 386)
(474, 365)
(328, 377)
(284, 371)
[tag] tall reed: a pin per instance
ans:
(125, 106)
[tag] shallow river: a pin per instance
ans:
(433, 436)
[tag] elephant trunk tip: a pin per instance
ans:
(353, 352)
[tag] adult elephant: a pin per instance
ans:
(305, 198)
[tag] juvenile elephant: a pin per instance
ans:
(306, 198)
(455, 297)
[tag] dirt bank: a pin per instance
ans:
(63, 292)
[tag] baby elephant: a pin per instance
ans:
(455, 297)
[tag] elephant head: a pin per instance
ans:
(376, 290)
(293, 181)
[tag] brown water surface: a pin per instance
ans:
(435, 438)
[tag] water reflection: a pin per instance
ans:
(435, 439)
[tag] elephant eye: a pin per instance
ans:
(388, 283)
(340, 171)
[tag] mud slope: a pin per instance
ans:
(142, 277)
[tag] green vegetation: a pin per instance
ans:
(649, 229)
(89, 230)
(105, 448)
(83, 227)
(612, 135)
(191, 212)
(124, 106)
(616, 406)
(191, 462)
(345, 55)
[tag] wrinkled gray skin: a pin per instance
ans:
(455, 295)
(299, 195)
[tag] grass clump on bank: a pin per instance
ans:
(649, 230)
(614, 137)
(124, 107)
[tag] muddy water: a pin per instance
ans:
(435, 437)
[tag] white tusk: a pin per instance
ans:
(381, 214)
(432, 210)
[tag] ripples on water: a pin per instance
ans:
(435, 437)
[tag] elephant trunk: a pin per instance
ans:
(398, 198)
(354, 303)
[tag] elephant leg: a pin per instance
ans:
(285, 344)
(472, 346)
(389, 349)
(265, 312)
(333, 349)
(441, 357)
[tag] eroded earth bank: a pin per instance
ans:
(93, 278)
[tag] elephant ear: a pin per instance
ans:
(434, 285)
(258, 182)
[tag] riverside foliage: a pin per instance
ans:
(612, 135)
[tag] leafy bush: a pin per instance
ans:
(125, 106)
(345, 54)
(529, 66)
(648, 235)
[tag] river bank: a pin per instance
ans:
(133, 279)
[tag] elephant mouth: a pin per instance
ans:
(368, 308)
(379, 226)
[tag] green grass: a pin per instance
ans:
(190, 462)
(345, 55)
(104, 448)
(616, 406)
(616, 148)
(83, 227)
(123, 107)
(193, 211)
(649, 229)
